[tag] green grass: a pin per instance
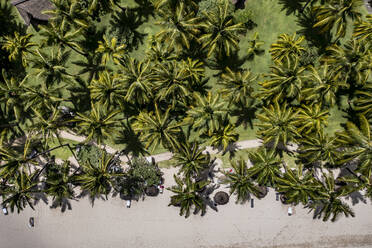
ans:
(64, 152)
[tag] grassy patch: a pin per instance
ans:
(63, 152)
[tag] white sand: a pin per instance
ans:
(151, 224)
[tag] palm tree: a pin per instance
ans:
(19, 46)
(12, 95)
(97, 179)
(285, 82)
(224, 136)
(159, 51)
(220, 31)
(324, 86)
(206, 114)
(170, 83)
(157, 128)
(335, 13)
(357, 143)
(266, 166)
(51, 66)
(318, 149)
(136, 77)
(21, 191)
(363, 101)
(44, 97)
(179, 27)
(108, 90)
(172, 4)
(69, 11)
(298, 186)
(363, 28)
(240, 181)
(99, 125)
(193, 70)
(191, 159)
(311, 119)
(287, 47)
(188, 196)
(277, 125)
(255, 46)
(237, 85)
(110, 50)
(352, 61)
(59, 185)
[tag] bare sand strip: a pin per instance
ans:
(152, 224)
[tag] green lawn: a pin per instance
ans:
(63, 152)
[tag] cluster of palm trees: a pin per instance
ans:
(83, 80)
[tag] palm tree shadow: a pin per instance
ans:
(91, 38)
(245, 111)
(220, 62)
(131, 140)
(80, 95)
(290, 6)
(124, 25)
(145, 9)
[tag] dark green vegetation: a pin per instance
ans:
(203, 74)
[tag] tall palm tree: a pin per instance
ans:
(284, 82)
(108, 90)
(136, 77)
(12, 95)
(110, 50)
(237, 85)
(318, 150)
(266, 166)
(363, 28)
(19, 46)
(191, 159)
(21, 191)
(159, 51)
(157, 128)
(193, 69)
(206, 114)
(220, 31)
(187, 196)
(51, 66)
(357, 142)
(363, 101)
(224, 135)
(179, 27)
(298, 186)
(59, 185)
(97, 179)
(287, 47)
(44, 97)
(98, 125)
(311, 119)
(335, 13)
(277, 126)
(324, 85)
(240, 181)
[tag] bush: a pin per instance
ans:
(148, 172)
(89, 153)
(210, 6)
(243, 16)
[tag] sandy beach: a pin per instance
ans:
(152, 224)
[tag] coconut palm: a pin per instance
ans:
(277, 126)
(20, 192)
(59, 185)
(193, 70)
(206, 114)
(287, 47)
(284, 82)
(237, 85)
(179, 26)
(363, 28)
(266, 166)
(157, 128)
(335, 14)
(224, 136)
(159, 51)
(108, 90)
(172, 4)
(19, 46)
(98, 125)
(220, 31)
(97, 179)
(311, 119)
(357, 142)
(187, 196)
(255, 46)
(136, 77)
(325, 83)
(12, 95)
(240, 181)
(318, 149)
(51, 66)
(298, 186)
(44, 97)
(191, 159)
(110, 50)
(363, 101)
(353, 61)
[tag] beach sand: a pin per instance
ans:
(152, 224)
